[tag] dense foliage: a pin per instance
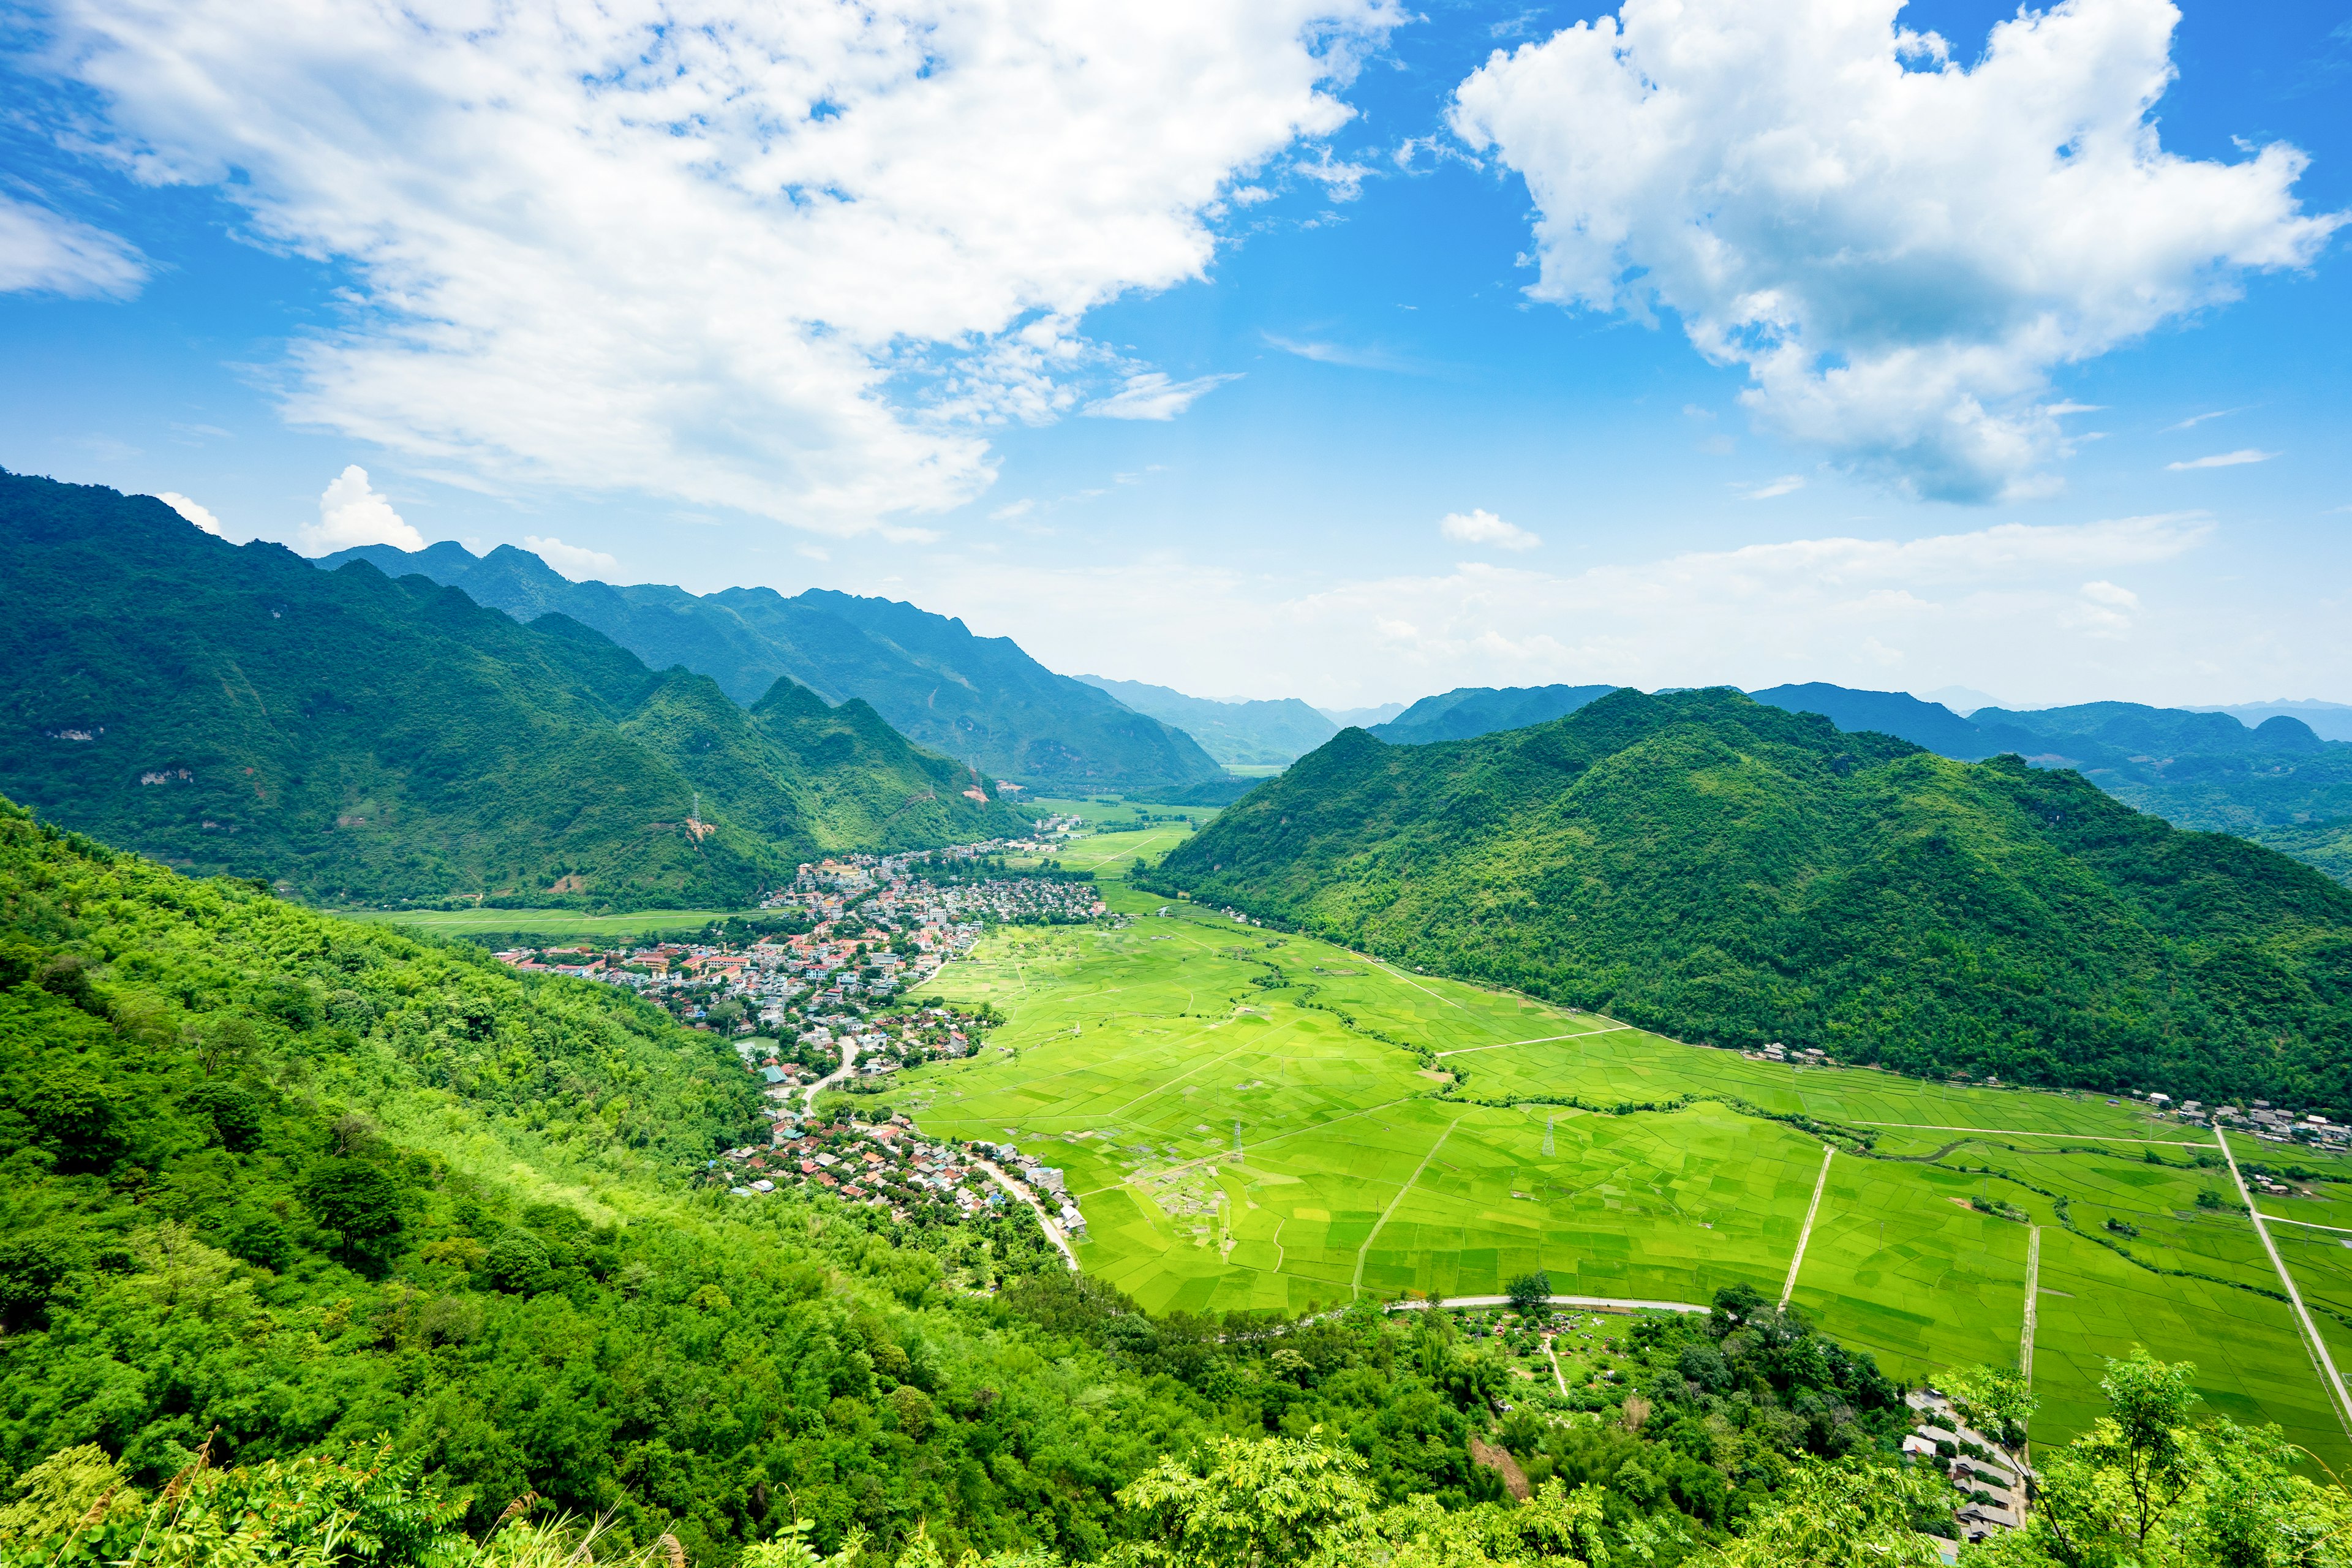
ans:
(979, 698)
(1737, 874)
(354, 737)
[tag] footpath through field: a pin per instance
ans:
(1806, 1235)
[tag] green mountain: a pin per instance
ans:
(981, 699)
(1733, 873)
(1251, 733)
(2275, 781)
(1468, 710)
(352, 738)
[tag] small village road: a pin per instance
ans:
(848, 1066)
(1020, 1190)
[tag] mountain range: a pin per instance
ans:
(1263, 733)
(981, 700)
(349, 737)
(1737, 873)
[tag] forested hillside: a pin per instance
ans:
(981, 700)
(1735, 874)
(352, 738)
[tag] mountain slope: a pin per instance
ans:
(1250, 734)
(1735, 873)
(231, 709)
(1468, 710)
(2276, 782)
(981, 699)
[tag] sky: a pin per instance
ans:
(1259, 348)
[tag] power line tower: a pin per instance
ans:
(1547, 1122)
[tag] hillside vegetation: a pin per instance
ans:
(352, 738)
(1733, 873)
(1468, 710)
(981, 700)
(1249, 734)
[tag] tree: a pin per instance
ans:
(72, 1111)
(1847, 1514)
(355, 1200)
(1259, 1504)
(1531, 1295)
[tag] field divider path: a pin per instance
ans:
(2021, 1133)
(1538, 1040)
(2307, 1224)
(2033, 1299)
(1806, 1235)
(1356, 1281)
(2338, 1401)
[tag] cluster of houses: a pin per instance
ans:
(2260, 1117)
(1990, 1487)
(1045, 1181)
(1808, 1056)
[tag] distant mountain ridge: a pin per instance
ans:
(352, 738)
(1468, 710)
(2276, 782)
(981, 699)
(1256, 733)
(1733, 872)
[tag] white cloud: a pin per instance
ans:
(2196, 419)
(350, 513)
(1900, 249)
(196, 514)
(1483, 527)
(45, 252)
(780, 258)
(2242, 456)
(2007, 606)
(1787, 484)
(1151, 396)
(1011, 509)
(575, 560)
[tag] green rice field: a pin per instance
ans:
(1266, 1122)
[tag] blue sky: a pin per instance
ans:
(1910, 365)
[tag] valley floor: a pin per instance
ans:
(1253, 1121)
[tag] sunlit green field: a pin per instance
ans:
(1238, 1143)
(555, 925)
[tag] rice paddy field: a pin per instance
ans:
(1257, 1122)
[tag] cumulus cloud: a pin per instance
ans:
(2244, 454)
(575, 560)
(196, 514)
(45, 252)
(1900, 249)
(780, 258)
(350, 513)
(1483, 527)
(1153, 396)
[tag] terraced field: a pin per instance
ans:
(1255, 1122)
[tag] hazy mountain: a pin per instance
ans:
(350, 737)
(981, 699)
(1735, 873)
(1362, 718)
(1468, 710)
(2328, 721)
(1258, 733)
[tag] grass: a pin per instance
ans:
(1135, 1058)
(555, 924)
